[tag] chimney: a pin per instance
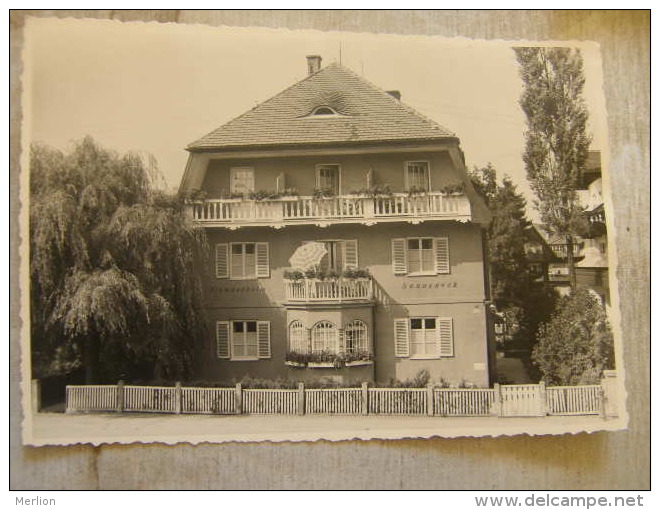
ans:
(313, 63)
(396, 94)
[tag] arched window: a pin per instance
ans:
(325, 337)
(355, 337)
(298, 341)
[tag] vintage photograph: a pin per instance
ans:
(249, 234)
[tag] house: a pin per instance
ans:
(548, 253)
(380, 195)
(592, 271)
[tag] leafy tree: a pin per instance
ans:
(576, 344)
(506, 236)
(113, 288)
(556, 142)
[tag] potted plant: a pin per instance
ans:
(453, 189)
(232, 196)
(415, 191)
(294, 275)
(321, 193)
(354, 273)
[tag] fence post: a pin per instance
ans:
(429, 400)
(497, 408)
(609, 391)
(120, 397)
(301, 398)
(365, 398)
(238, 399)
(544, 398)
(178, 398)
(36, 395)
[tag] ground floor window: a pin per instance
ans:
(298, 340)
(328, 338)
(355, 337)
(325, 337)
(423, 337)
(243, 339)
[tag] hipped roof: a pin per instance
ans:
(364, 114)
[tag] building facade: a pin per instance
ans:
(382, 193)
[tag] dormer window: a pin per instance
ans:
(324, 110)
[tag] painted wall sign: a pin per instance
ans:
(240, 289)
(429, 286)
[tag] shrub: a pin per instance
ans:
(576, 344)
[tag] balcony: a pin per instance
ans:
(339, 290)
(234, 213)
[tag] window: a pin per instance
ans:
(417, 175)
(324, 110)
(420, 256)
(242, 261)
(423, 337)
(355, 337)
(342, 254)
(242, 179)
(243, 339)
(328, 178)
(325, 337)
(298, 340)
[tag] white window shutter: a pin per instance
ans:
(442, 255)
(263, 260)
(222, 339)
(263, 338)
(399, 256)
(445, 334)
(401, 341)
(222, 260)
(350, 253)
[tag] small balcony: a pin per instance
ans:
(339, 290)
(233, 213)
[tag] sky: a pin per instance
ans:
(154, 88)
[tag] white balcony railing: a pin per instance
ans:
(336, 290)
(291, 210)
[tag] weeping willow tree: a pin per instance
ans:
(113, 287)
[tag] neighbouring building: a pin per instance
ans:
(547, 253)
(401, 285)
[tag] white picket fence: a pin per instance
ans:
(149, 399)
(575, 400)
(502, 400)
(208, 400)
(270, 401)
(398, 401)
(333, 401)
(464, 401)
(91, 398)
